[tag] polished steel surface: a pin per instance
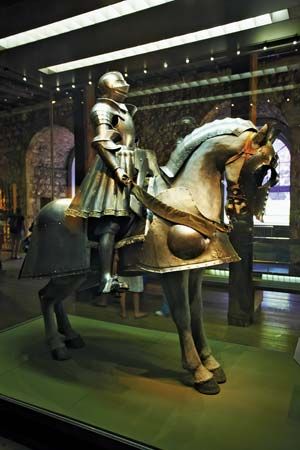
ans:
(186, 243)
(58, 244)
(102, 191)
(193, 140)
(157, 256)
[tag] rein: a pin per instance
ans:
(199, 222)
(246, 151)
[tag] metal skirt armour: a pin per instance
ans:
(99, 194)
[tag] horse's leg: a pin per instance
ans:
(197, 324)
(49, 295)
(176, 289)
(72, 338)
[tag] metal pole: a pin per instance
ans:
(253, 88)
(51, 148)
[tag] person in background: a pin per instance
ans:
(1, 236)
(136, 286)
(164, 310)
(17, 231)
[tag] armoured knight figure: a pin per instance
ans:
(104, 192)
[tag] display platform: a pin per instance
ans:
(129, 381)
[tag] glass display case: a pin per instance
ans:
(106, 371)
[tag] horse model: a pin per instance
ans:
(185, 235)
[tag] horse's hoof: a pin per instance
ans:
(75, 342)
(60, 354)
(219, 375)
(209, 387)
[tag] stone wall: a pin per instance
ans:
(158, 129)
(38, 168)
(16, 133)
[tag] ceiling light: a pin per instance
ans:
(238, 52)
(87, 19)
(70, 97)
(145, 70)
(125, 74)
(5, 99)
(212, 58)
(288, 99)
(57, 88)
(53, 102)
(232, 105)
(268, 100)
(165, 64)
(295, 42)
(41, 85)
(187, 60)
(221, 97)
(215, 80)
(175, 41)
(265, 47)
(73, 86)
(90, 82)
(24, 78)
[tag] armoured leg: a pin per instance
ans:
(176, 290)
(107, 236)
(72, 338)
(198, 331)
(49, 295)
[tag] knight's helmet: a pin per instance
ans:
(113, 85)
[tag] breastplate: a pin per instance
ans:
(125, 127)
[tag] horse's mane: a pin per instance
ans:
(192, 141)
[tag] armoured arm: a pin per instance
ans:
(105, 146)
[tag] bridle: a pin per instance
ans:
(236, 196)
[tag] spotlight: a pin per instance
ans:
(90, 82)
(125, 74)
(238, 52)
(295, 42)
(268, 100)
(53, 102)
(73, 86)
(212, 58)
(24, 78)
(57, 88)
(288, 99)
(187, 60)
(145, 70)
(232, 104)
(265, 47)
(41, 85)
(165, 64)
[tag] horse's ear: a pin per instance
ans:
(273, 133)
(261, 135)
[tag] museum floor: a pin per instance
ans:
(128, 378)
(277, 326)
